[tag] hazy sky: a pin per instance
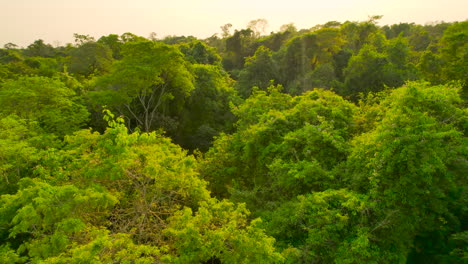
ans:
(55, 21)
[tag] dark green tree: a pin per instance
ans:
(207, 111)
(259, 71)
(90, 58)
(39, 49)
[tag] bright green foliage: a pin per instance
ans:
(47, 101)
(410, 164)
(107, 248)
(225, 159)
(151, 79)
(155, 179)
(287, 146)
(152, 176)
(404, 168)
(19, 140)
(284, 146)
(327, 227)
(43, 219)
(111, 197)
(381, 182)
(8, 255)
(219, 231)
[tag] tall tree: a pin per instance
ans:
(412, 166)
(140, 86)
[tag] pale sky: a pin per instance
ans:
(55, 21)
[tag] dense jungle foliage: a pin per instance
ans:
(342, 143)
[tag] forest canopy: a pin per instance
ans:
(339, 143)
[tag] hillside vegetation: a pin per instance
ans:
(341, 143)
